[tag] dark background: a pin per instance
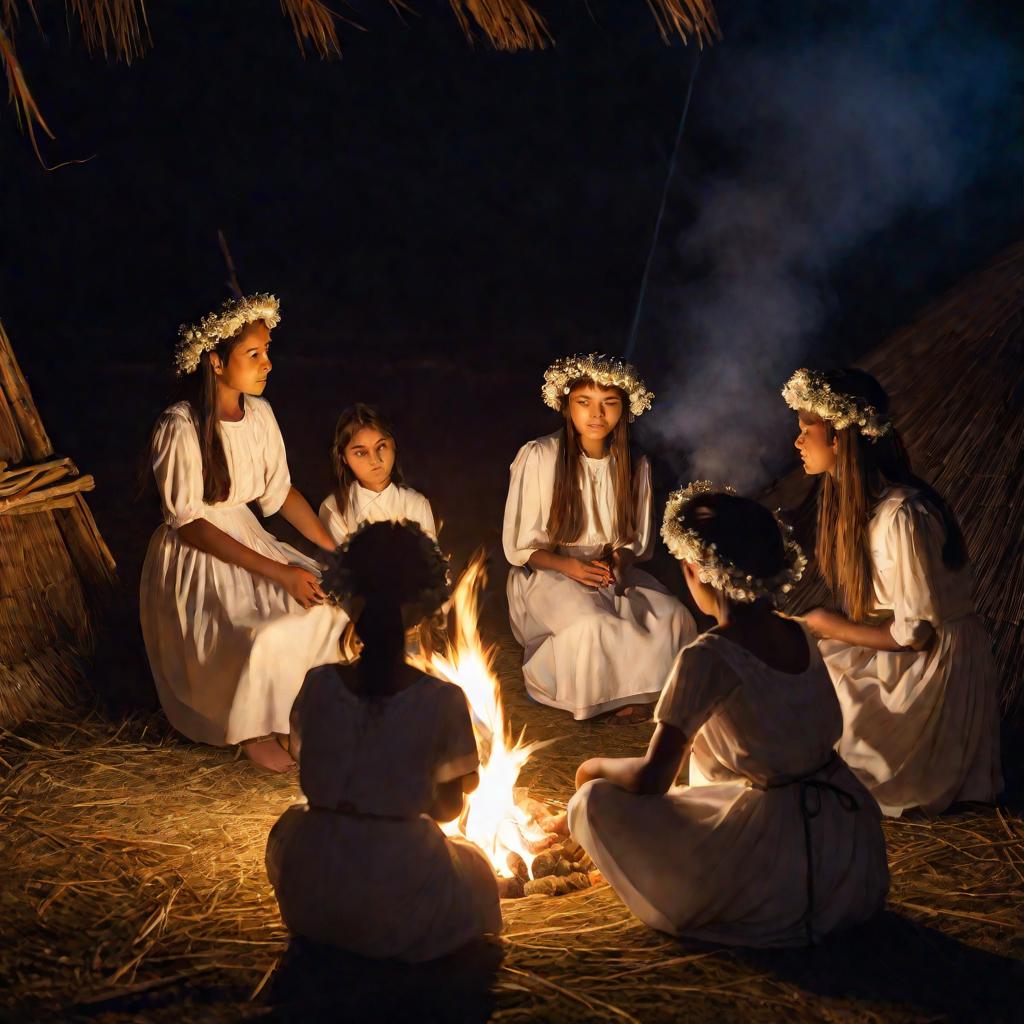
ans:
(439, 220)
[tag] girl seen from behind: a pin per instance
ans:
(773, 841)
(598, 634)
(910, 659)
(384, 753)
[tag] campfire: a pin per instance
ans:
(514, 830)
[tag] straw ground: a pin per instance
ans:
(134, 889)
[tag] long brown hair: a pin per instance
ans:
(350, 422)
(864, 469)
(565, 521)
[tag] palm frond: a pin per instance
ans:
(28, 113)
(113, 26)
(313, 21)
(507, 24)
(685, 18)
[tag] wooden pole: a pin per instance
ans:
(23, 408)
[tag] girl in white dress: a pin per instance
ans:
(774, 842)
(384, 752)
(224, 605)
(598, 634)
(368, 478)
(910, 658)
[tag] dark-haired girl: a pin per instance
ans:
(368, 478)
(773, 842)
(598, 634)
(232, 618)
(910, 658)
(385, 753)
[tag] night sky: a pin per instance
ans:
(440, 220)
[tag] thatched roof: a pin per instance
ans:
(119, 28)
(956, 377)
(55, 568)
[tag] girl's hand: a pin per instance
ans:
(590, 574)
(588, 771)
(301, 584)
(823, 623)
(623, 559)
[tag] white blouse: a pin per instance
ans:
(529, 505)
(255, 455)
(393, 504)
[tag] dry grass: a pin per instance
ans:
(134, 889)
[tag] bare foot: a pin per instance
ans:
(268, 753)
(632, 714)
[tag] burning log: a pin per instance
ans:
(557, 885)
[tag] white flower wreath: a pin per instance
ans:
(687, 545)
(214, 328)
(809, 391)
(607, 371)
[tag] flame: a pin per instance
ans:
(491, 817)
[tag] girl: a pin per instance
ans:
(909, 657)
(384, 753)
(774, 842)
(598, 634)
(224, 605)
(368, 478)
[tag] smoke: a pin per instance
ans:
(830, 141)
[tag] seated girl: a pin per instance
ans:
(598, 634)
(910, 659)
(232, 617)
(384, 752)
(368, 478)
(774, 842)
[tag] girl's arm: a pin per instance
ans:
(450, 796)
(300, 514)
(300, 584)
(828, 625)
(653, 773)
(590, 574)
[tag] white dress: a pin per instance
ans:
(363, 866)
(586, 650)
(393, 504)
(726, 860)
(921, 729)
(222, 642)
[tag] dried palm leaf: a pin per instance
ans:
(507, 24)
(27, 111)
(686, 18)
(313, 21)
(117, 26)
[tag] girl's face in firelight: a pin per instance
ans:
(248, 363)
(371, 457)
(817, 452)
(595, 412)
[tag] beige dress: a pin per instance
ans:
(726, 860)
(228, 649)
(584, 650)
(393, 504)
(920, 728)
(363, 866)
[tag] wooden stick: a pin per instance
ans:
(26, 415)
(11, 445)
(88, 549)
(36, 500)
(16, 482)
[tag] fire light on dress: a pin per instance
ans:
(491, 817)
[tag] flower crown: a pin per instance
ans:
(809, 391)
(687, 545)
(346, 576)
(214, 328)
(607, 371)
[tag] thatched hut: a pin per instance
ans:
(956, 377)
(55, 569)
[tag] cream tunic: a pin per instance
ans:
(586, 651)
(726, 860)
(228, 649)
(393, 504)
(374, 886)
(920, 728)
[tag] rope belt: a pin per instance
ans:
(809, 810)
(349, 810)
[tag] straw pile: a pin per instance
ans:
(134, 888)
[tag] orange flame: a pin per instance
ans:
(491, 818)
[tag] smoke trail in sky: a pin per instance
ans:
(832, 140)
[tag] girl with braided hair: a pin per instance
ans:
(772, 841)
(910, 659)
